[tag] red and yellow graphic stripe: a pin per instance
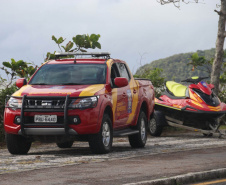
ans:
(218, 108)
(20, 91)
(91, 90)
(133, 86)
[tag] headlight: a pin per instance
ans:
(15, 103)
(84, 103)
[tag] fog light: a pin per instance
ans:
(17, 120)
(75, 120)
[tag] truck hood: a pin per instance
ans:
(59, 90)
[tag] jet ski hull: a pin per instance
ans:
(189, 116)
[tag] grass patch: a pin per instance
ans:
(223, 127)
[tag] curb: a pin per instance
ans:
(186, 178)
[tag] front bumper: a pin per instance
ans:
(46, 131)
(89, 122)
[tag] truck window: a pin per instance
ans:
(114, 74)
(123, 71)
(70, 74)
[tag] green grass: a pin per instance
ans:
(223, 127)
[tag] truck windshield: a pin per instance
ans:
(70, 74)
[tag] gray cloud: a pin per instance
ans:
(127, 27)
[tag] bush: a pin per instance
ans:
(155, 76)
(3, 95)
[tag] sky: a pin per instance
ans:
(136, 31)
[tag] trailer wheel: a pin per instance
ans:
(101, 143)
(17, 144)
(139, 140)
(67, 144)
(156, 124)
(214, 126)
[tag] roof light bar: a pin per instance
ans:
(93, 54)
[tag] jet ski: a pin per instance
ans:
(193, 107)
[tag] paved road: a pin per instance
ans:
(212, 182)
(162, 157)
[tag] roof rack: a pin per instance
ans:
(92, 54)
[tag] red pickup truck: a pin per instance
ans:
(78, 97)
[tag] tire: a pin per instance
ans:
(101, 143)
(156, 124)
(213, 125)
(17, 144)
(139, 140)
(67, 144)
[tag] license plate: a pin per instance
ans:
(45, 119)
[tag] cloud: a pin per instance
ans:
(127, 27)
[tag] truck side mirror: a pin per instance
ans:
(21, 82)
(121, 82)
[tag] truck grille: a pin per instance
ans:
(44, 104)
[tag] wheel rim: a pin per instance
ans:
(152, 125)
(143, 130)
(106, 134)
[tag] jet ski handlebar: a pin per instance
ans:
(194, 80)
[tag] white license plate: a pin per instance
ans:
(45, 119)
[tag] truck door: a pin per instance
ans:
(124, 103)
(119, 97)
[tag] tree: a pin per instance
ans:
(176, 3)
(222, 89)
(219, 55)
(218, 60)
(200, 63)
(155, 76)
(13, 69)
(86, 41)
(3, 95)
(81, 42)
(16, 68)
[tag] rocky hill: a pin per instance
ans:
(175, 67)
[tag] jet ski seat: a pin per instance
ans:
(177, 89)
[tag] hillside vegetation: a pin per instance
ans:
(175, 67)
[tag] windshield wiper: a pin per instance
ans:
(39, 84)
(56, 84)
(71, 84)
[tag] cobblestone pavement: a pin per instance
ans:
(49, 155)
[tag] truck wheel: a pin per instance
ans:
(17, 144)
(67, 144)
(101, 143)
(156, 124)
(139, 140)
